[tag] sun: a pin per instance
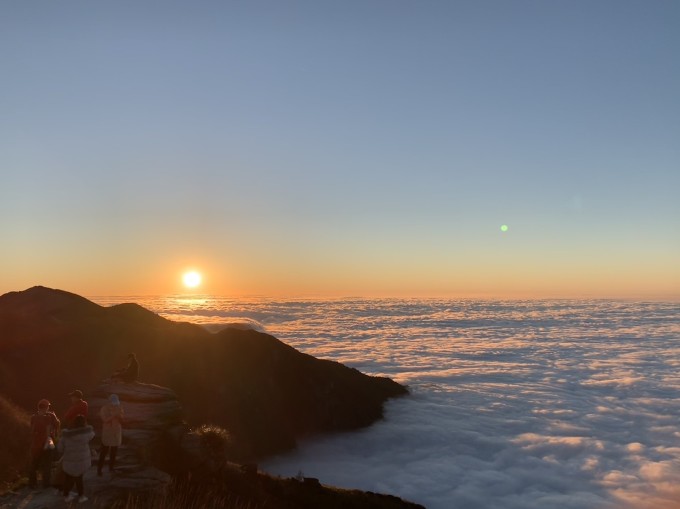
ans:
(191, 279)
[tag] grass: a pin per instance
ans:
(214, 438)
(186, 495)
(231, 488)
(197, 491)
(16, 438)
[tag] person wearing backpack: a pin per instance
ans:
(44, 429)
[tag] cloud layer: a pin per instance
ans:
(514, 405)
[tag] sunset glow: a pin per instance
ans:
(458, 149)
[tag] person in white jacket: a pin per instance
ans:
(77, 459)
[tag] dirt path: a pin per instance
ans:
(48, 498)
(101, 491)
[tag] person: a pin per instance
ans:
(44, 429)
(112, 432)
(130, 373)
(78, 407)
(76, 459)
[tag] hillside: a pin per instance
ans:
(14, 423)
(265, 392)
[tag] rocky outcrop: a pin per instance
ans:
(152, 414)
(265, 392)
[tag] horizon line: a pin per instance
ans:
(520, 296)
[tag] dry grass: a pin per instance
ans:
(186, 496)
(214, 438)
(16, 434)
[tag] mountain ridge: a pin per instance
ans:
(265, 392)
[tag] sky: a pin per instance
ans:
(341, 148)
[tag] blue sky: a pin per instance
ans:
(342, 147)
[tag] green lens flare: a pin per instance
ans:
(504, 228)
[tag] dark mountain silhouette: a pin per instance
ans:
(265, 392)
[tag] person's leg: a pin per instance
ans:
(68, 484)
(112, 460)
(102, 458)
(46, 467)
(33, 466)
(79, 485)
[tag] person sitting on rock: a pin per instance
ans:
(44, 429)
(130, 373)
(76, 460)
(112, 432)
(78, 407)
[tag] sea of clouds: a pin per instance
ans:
(513, 405)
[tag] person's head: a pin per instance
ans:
(43, 406)
(131, 356)
(76, 395)
(114, 399)
(79, 421)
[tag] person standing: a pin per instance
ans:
(44, 429)
(78, 407)
(112, 432)
(76, 460)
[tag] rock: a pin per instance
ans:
(311, 481)
(151, 414)
(146, 406)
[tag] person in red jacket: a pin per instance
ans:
(78, 407)
(44, 429)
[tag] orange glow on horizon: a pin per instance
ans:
(488, 276)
